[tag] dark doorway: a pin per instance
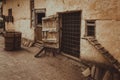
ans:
(70, 42)
(39, 14)
(39, 17)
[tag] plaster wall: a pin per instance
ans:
(107, 16)
(105, 12)
(21, 14)
(39, 4)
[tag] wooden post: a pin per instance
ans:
(97, 73)
(108, 76)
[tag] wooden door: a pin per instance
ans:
(38, 34)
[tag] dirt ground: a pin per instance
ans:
(22, 65)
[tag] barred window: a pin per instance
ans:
(90, 28)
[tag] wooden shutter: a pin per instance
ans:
(50, 31)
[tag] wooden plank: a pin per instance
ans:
(86, 72)
(108, 76)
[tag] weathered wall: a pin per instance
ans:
(21, 14)
(39, 4)
(108, 34)
(105, 12)
(92, 9)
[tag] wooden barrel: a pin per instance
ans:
(12, 41)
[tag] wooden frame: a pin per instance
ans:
(32, 13)
(36, 32)
(60, 24)
(36, 11)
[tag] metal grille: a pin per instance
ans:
(90, 28)
(71, 33)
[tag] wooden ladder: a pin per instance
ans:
(104, 52)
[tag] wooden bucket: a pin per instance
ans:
(12, 41)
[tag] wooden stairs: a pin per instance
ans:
(104, 52)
